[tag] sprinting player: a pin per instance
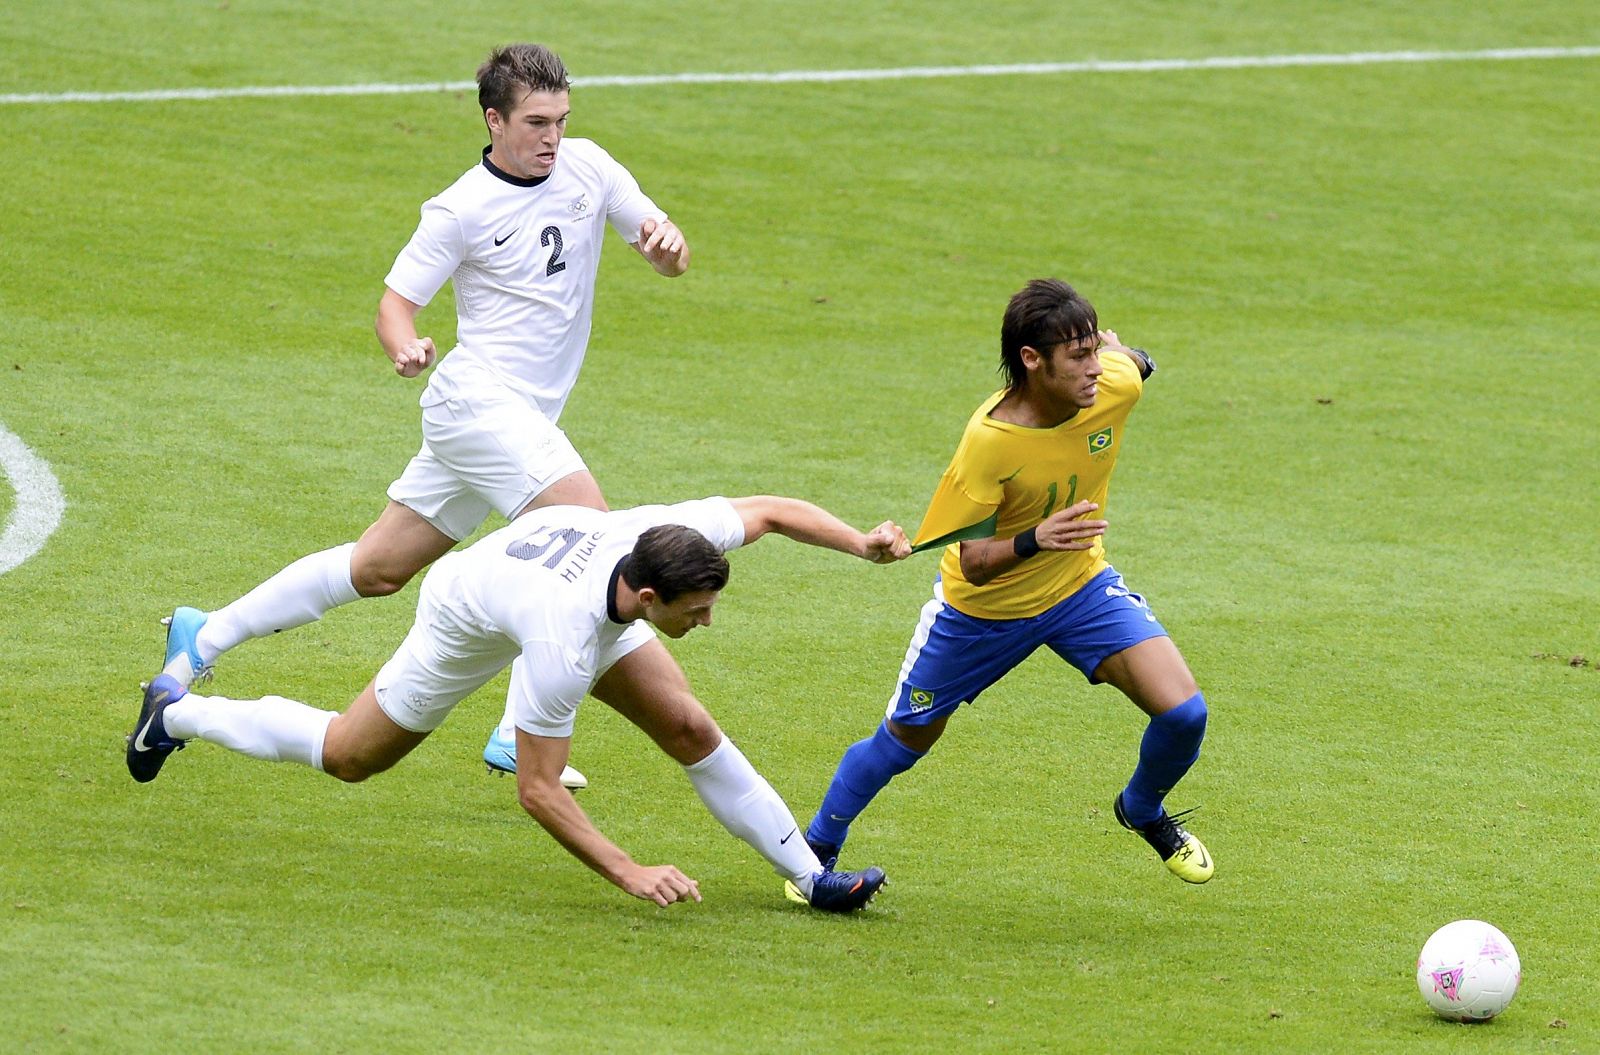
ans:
(564, 595)
(520, 235)
(1024, 566)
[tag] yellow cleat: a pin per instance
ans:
(1186, 857)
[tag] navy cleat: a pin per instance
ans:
(839, 891)
(500, 755)
(182, 626)
(150, 745)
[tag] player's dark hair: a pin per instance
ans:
(515, 70)
(674, 560)
(1044, 313)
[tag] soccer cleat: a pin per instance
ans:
(501, 757)
(182, 626)
(1186, 856)
(149, 745)
(838, 891)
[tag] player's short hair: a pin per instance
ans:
(1044, 313)
(674, 560)
(515, 70)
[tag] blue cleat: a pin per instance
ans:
(501, 756)
(182, 626)
(150, 745)
(839, 891)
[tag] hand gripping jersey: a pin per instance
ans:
(541, 589)
(523, 255)
(1005, 479)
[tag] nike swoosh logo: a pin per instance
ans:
(1013, 476)
(507, 238)
(786, 838)
(835, 816)
(138, 741)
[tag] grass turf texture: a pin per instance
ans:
(1360, 493)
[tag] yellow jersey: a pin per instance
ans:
(1005, 479)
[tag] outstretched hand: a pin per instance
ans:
(886, 544)
(662, 884)
(664, 246)
(1066, 528)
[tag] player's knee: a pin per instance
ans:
(374, 578)
(692, 735)
(349, 770)
(1189, 717)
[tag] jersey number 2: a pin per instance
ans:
(552, 235)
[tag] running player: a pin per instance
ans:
(519, 234)
(567, 596)
(1024, 566)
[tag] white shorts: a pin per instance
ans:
(440, 663)
(443, 660)
(487, 449)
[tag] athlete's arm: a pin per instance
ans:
(815, 526)
(397, 332)
(661, 243)
(539, 763)
(984, 559)
(1140, 357)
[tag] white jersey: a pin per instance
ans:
(523, 254)
(543, 588)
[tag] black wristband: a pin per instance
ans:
(1027, 543)
(1147, 365)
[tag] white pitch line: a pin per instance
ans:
(1231, 62)
(39, 503)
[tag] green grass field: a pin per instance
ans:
(1361, 493)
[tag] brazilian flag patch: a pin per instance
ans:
(1099, 441)
(921, 699)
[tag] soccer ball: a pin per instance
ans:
(1468, 971)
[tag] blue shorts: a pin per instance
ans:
(953, 656)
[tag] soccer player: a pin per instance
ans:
(520, 235)
(1024, 566)
(566, 595)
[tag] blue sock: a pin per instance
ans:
(1170, 746)
(867, 766)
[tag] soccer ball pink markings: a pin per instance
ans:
(1468, 971)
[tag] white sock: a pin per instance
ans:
(297, 595)
(271, 728)
(747, 806)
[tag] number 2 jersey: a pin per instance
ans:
(540, 591)
(523, 255)
(1005, 479)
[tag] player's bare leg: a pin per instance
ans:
(363, 740)
(390, 553)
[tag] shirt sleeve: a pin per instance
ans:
(966, 504)
(548, 681)
(627, 207)
(431, 257)
(715, 518)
